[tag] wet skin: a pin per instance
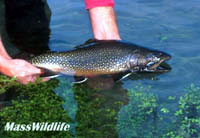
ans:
(102, 57)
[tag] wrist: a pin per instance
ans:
(3, 53)
(5, 65)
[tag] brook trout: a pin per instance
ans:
(101, 57)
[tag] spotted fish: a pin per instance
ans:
(101, 57)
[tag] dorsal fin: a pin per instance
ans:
(92, 42)
(87, 43)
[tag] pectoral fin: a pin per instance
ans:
(79, 79)
(121, 76)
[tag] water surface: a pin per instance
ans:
(170, 26)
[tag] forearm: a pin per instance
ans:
(3, 53)
(103, 20)
(4, 60)
(103, 23)
(4, 66)
(14, 67)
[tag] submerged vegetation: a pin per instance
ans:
(91, 113)
(33, 103)
(187, 123)
(139, 114)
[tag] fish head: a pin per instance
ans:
(154, 59)
(148, 60)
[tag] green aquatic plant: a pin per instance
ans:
(187, 122)
(96, 116)
(140, 114)
(93, 113)
(163, 38)
(39, 102)
(146, 117)
(35, 103)
(6, 83)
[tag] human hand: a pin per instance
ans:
(22, 70)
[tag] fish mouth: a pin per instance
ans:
(160, 66)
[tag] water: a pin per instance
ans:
(170, 26)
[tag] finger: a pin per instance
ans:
(22, 81)
(25, 80)
(45, 79)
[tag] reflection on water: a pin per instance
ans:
(90, 102)
(100, 106)
(70, 105)
(101, 83)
